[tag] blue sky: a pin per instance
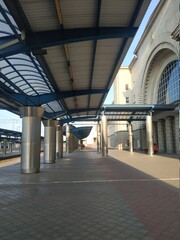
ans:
(12, 121)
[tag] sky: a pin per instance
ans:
(12, 121)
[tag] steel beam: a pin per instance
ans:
(45, 98)
(39, 40)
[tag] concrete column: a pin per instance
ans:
(98, 137)
(161, 136)
(68, 138)
(169, 135)
(59, 141)
(31, 139)
(149, 134)
(71, 142)
(143, 137)
(130, 137)
(10, 146)
(74, 139)
(77, 143)
(4, 146)
(50, 140)
(176, 131)
(104, 136)
(155, 134)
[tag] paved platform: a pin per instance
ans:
(84, 196)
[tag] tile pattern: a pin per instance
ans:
(76, 199)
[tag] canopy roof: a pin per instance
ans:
(133, 112)
(10, 135)
(79, 132)
(64, 55)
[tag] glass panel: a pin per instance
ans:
(169, 87)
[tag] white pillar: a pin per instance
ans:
(149, 134)
(59, 141)
(104, 136)
(130, 137)
(50, 140)
(31, 139)
(68, 138)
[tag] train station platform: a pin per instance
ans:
(88, 197)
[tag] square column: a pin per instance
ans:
(50, 140)
(104, 136)
(149, 135)
(176, 131)
(31, 139)
(161, 136)
(130, 137)
(71, 142)
(155, 134)
(169, 135)
(59, 141)
(4, 146)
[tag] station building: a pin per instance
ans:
(153, 77)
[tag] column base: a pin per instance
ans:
(29, 171)
(50, 162)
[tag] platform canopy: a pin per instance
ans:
(63, 55)
(79, 132)
(133, 112)
(10, 135)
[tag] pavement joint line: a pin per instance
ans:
(93, 181)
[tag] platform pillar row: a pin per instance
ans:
(50, 140)
(31, 138)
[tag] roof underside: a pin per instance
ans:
(64, 55)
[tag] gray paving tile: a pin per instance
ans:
(67, 201)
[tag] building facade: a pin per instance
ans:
(155, 76)
(118, 136)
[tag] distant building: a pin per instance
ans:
(122, 95)
(154, 77)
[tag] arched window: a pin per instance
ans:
(169, 87)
